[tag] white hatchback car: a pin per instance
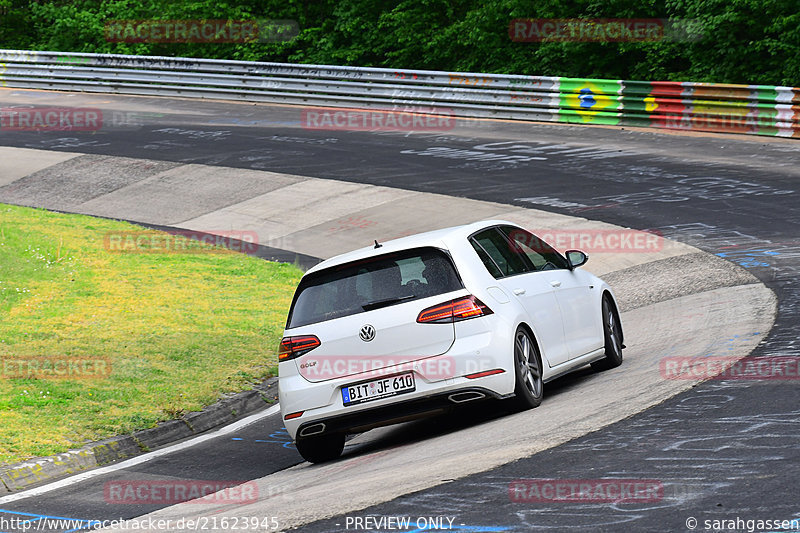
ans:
(415, 325)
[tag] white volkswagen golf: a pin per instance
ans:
(415, 325)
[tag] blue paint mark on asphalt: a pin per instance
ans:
(279, 437)
(472, 529)
(747, 258)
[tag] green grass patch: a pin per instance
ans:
(175, 331)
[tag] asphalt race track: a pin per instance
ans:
(225, 458)
(723, 449)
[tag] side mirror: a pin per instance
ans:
(576, 258)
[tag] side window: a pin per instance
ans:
(541, 254)
(487, 261)
(508, 259)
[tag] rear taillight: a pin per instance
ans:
(454, 311)
(292, 347)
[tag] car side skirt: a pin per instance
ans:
(574, 364)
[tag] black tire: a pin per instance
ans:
(612, 331)
(322, 448)
(529, 387)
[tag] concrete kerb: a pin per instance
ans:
(23, 475)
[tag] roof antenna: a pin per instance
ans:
(377, 245)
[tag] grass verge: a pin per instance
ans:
(149, 336)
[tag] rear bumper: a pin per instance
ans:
(428, 398)
(480, 345)
(394, 413)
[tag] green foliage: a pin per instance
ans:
(742, 41)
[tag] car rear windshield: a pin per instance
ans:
(373, 283)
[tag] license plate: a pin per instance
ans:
(378, 388)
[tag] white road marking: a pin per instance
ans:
(139, 459)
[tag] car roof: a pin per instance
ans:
(437, 238)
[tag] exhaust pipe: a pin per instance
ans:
(468, 396)
(313, 429)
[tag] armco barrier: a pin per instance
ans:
(750, 109)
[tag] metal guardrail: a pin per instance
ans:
(750, 109)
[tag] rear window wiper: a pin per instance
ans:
(377, 304)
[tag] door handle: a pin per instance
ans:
(555, 283)
(519, 292)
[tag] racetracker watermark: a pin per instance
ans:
(604, 30)
(586, 490)
(324, 367)
(181, 242)
(591, 240)
(50, 119)
(719, 368)
(115, 120)
(171, 491)
(200, 31)
(409, 119)
(746, 121)
(27, 522)
(54, 367)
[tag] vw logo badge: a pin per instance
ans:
(367, 333)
